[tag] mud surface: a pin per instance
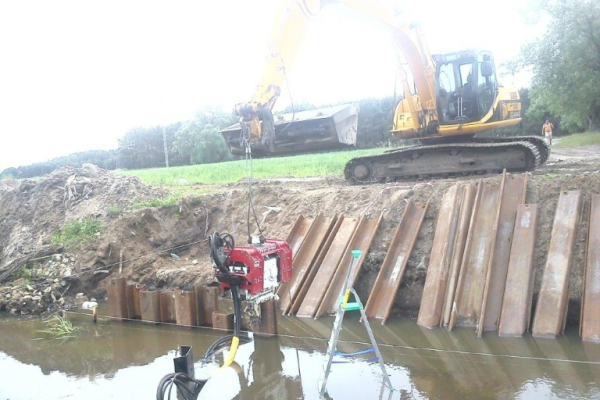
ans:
(166, 247)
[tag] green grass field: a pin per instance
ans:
(300, 166)
(576, 140)
(184, 180)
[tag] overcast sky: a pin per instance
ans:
(77, 75)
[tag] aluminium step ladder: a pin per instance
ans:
(344, 306)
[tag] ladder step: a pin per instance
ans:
(353, 306)
(356, 353)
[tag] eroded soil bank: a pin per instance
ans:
(166, 247)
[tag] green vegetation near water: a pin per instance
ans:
(58, 327)
(577, 139)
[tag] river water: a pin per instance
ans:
(126, 360)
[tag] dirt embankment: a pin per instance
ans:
(166, 247)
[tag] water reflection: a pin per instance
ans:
(127, 360)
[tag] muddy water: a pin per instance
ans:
(126, 360)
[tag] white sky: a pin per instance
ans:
(77, 75)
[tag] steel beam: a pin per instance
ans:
(551, 310)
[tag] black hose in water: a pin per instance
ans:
(183, 381)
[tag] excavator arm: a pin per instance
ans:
(257, 124)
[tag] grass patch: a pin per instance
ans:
(549, 176)
(578, 139)
(77, 232)
(169, 201)
(113, 211)
(300, 166)
(59, 328)
(24, 273)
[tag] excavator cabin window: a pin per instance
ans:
(466, 86)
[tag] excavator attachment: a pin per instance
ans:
(328, 128)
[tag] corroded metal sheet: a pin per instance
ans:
(166, 302)
(430, 311)
(477, 256)
(303, 260)
(206, 303)
(460, 239)
(516, 304)
(150, 306)
(514, 189)
(392, 270)
(268, 319)
(185, 308)
(361, 240)
(117, 298)
(222, 321)
(590, 315)
(134, 293)
(298, 233)
(552, 301)
(314, 268)
(326, 270)
(129, 290)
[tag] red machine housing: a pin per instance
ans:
(262, 266)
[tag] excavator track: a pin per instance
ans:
(443, 160)
(537, 141)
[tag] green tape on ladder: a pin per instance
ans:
(353, 306)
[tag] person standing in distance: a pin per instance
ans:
(547, 131)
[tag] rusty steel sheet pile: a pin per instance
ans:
(304, 259)
(326, 269)
(392, 270)
(166, 303)
(117, 290)
(515, 315)
(590, 311)
(186, 308)
(438, 270)
(513, 189)
(150, 306)
(309, 276)
(361, 240)
(550, 313)
(477, 256)
(133, 300)
(298, 233)
(466, 209)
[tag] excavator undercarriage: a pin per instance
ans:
(480, 156)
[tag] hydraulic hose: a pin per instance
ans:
(183, 381)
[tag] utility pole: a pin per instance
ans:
(165, 146)
(161, 106)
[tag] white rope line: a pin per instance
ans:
(393, 346)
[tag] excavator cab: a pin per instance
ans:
(466, 86)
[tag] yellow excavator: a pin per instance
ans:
(454, 97)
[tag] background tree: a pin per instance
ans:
(199, 141)
(143, 147)
(106, 159)
(566, 65)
